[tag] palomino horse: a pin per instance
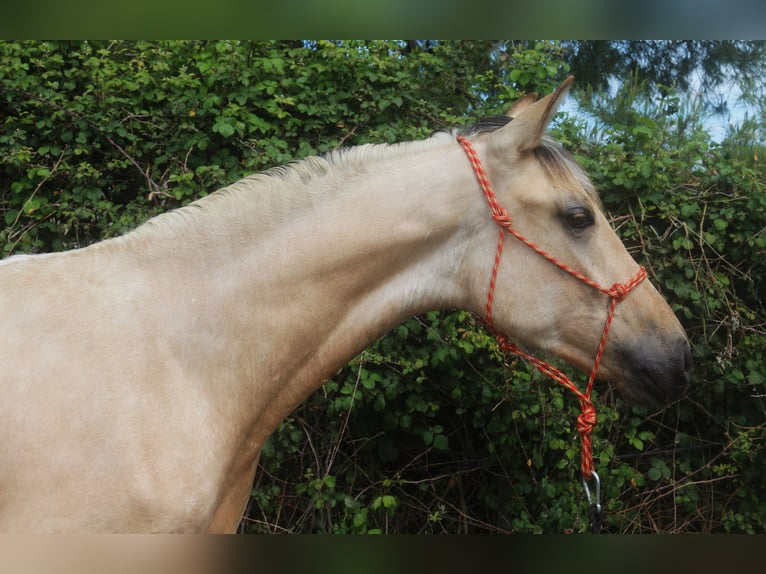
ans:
(143, 374)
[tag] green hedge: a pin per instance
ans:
(430, 429)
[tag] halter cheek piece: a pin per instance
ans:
(586, 420)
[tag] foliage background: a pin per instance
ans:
(430, 429)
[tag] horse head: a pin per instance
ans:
(556, 278)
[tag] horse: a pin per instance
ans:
(142, 374)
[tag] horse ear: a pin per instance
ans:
(530, 120)
(520, 104)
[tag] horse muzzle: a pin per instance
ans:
(654, 373)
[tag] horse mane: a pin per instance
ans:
(344, 160)
(275, 192)
(271, 195)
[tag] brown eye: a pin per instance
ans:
(578, 218)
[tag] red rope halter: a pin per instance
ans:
(587, 419)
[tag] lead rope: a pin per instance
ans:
(587, 419)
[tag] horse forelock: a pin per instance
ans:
(562, 168)
(558, 163)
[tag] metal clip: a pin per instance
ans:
(594, 503)
(593, 500)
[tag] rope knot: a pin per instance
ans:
(504, 343)
(618, 291)
(502, 218)
(587, 419)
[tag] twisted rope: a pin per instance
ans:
(587, 419)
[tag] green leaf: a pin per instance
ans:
(655, 474)
(360, 519)
(441, 442)
(10, 216)
(224, 128)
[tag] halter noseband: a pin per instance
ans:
(587, 419)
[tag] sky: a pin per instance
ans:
(717, 124)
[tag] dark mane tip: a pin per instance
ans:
(486, 125)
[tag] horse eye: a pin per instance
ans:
(578, 218)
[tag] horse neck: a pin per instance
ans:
(282, 302)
